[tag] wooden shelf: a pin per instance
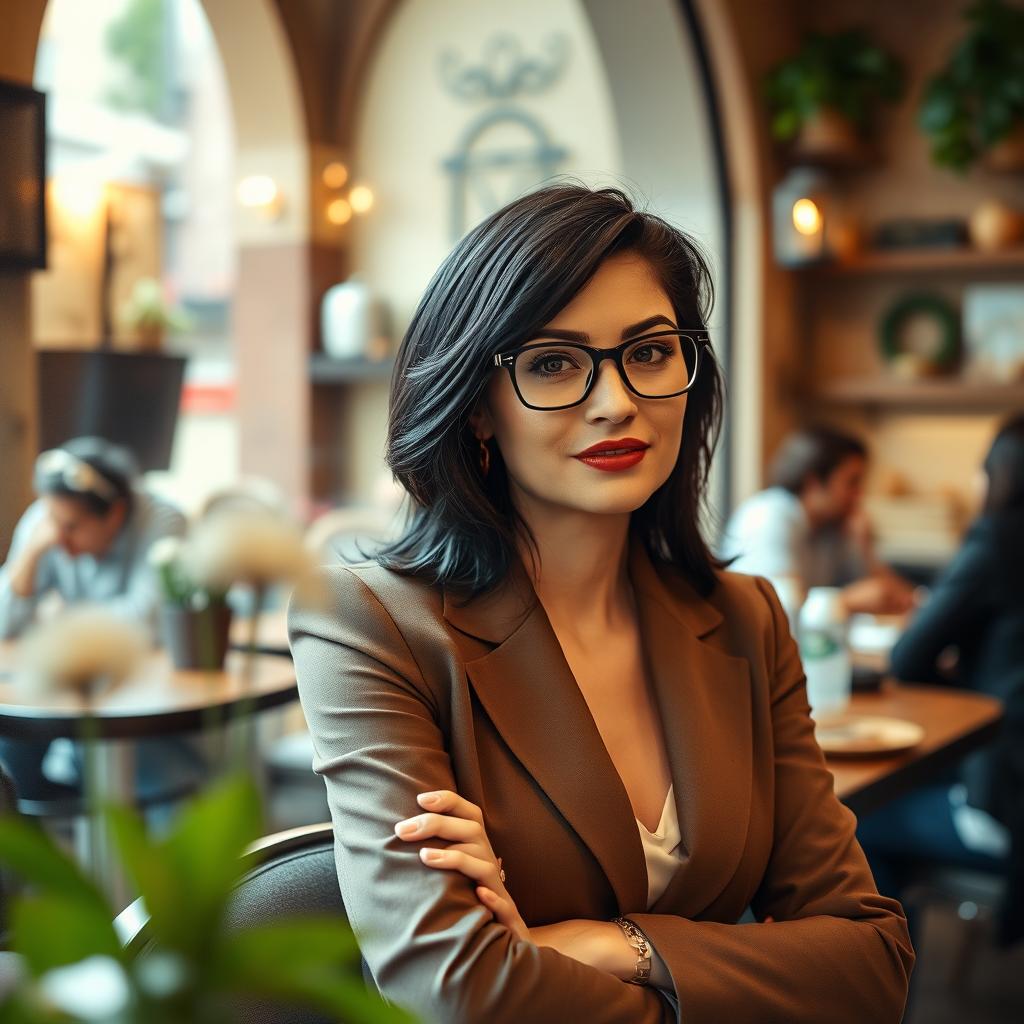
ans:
(910, 261)
(325, 370)
(953, 395)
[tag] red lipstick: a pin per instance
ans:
(612, 456)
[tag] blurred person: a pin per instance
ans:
(85, 538)
(809, 528)
(549, 664)
(976, 613)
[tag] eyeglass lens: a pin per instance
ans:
(554, 373)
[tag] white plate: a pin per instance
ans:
(866, 735)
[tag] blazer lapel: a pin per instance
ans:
(528, 690)
(704, 705)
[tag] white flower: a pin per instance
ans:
(79, 649)
(245, 546)
(164, 551)
(93, 989)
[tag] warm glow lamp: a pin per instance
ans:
(800, 218)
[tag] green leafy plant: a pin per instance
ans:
(193, 966)
(843, 72)
(975, 101)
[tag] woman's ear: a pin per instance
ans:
(480, 421)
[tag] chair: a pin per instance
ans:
(289, 873)
(977, 897)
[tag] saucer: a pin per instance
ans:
(865, 735)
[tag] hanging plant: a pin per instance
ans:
(841, 76)
(975, 104)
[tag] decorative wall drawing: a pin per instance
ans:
(504, 149)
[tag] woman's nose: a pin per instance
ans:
(610, 399)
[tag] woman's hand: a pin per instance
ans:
(452, 817)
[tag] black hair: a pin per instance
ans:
(1004, 466)
(504, 280)
(113, 462)
(812, 453)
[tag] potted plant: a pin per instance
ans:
(824, 95)
(195, 619)
(148, 314)
(974, 106)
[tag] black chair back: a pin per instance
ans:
(292, 873)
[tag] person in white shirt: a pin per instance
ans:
(809, 529)
(85, 538)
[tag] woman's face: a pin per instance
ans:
(541, 448)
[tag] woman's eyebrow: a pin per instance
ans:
(582, 336)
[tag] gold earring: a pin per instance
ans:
(485, 457)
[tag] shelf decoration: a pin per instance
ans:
(823, 97)
(994, 332)
(354, 322)
(802, 218)
(974, 106)
(919, 336)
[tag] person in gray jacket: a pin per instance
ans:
(86, 537)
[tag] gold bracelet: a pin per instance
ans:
(637, 939)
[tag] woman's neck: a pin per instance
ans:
(582, 575)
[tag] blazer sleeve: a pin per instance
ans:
(955, 608)
(429, 943)
(835, 950)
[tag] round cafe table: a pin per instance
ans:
(158, 700)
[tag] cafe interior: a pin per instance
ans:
(217, 218)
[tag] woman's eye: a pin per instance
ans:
(650, 353)
(551, 363)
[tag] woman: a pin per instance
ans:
(977, 608)
(550, 666)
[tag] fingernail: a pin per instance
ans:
(428, 798)
(406, 828)
(431, 854)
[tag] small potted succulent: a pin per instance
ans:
(822, 98)
(148, 315)
(974, 107)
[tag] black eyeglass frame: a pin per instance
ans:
(507, 359)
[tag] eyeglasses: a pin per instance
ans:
(560, 374)
(76, 474)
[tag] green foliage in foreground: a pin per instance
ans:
(193, 968)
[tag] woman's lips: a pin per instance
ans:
(613, 463)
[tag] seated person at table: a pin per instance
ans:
(809, 529)
(85, 538)
(565, 752)
(977, 609)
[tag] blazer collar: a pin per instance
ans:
(703, 697)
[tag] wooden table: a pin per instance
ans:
(955, 722)
(158, 700)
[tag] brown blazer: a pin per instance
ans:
(404, 692)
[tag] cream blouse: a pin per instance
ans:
(661, 849)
